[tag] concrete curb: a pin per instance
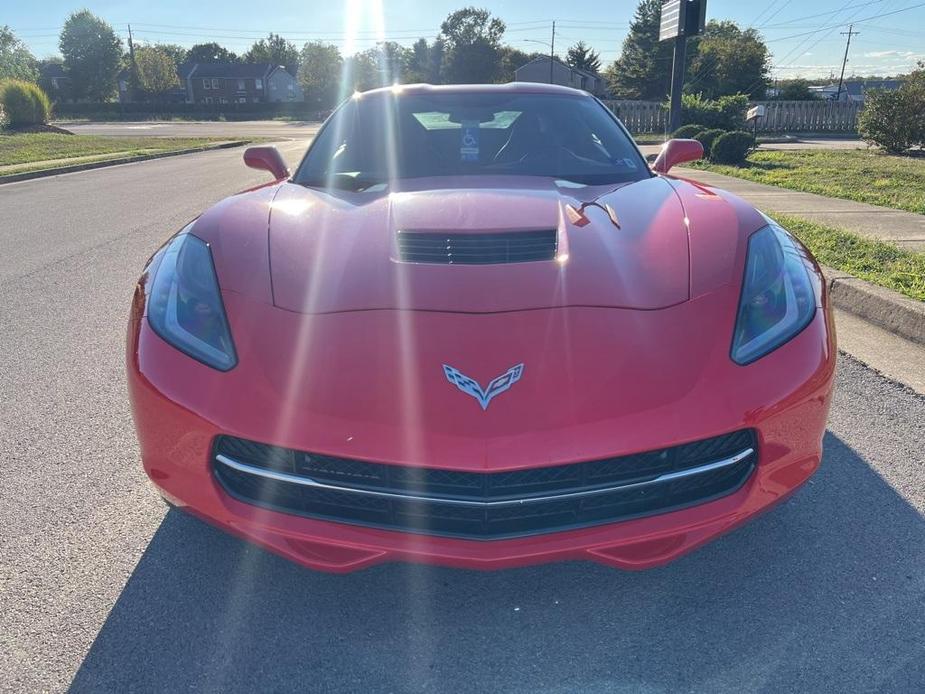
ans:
(882, 307)
(42, 173)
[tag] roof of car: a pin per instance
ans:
(508, 88)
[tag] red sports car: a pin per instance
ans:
(475, 328)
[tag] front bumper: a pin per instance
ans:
(181, 407)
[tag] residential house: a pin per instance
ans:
(853, 90)
(538, 70)
(55, 81)
(241, 83)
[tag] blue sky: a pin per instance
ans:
(804, 36)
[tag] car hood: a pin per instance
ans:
(338, 251)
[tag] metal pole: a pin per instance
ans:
(677, 82)
(552, 49)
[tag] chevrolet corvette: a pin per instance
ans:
(476, 328)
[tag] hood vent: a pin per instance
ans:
(484, 248)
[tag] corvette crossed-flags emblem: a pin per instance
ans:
(470, 386)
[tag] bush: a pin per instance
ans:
(24, 103)
(726, 112)
(687, 131)
(707, 138)
(894, 120)
(732, 147)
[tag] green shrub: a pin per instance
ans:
(894, 120)
(24, 103)
(726, 112)
(732, 148)
(707, 138)
(687, 131)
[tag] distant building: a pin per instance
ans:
(853, 90)
(55, 82)
(537, 70)
(241, 83)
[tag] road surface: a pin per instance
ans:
(103, 589)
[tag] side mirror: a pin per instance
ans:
(268, 159)
(677, 152)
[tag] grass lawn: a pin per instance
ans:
(872, 177)
(23, 151)
(875, 261)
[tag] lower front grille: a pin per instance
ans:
(487, 505)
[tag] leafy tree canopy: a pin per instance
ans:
(320, 72)
(728, 60)
(92, 55)
(210, 53)
(156, 70)
(16, 62)
(276, 50)
(473, 40)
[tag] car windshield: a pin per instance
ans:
(382, 136)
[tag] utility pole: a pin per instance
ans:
(131, 52)
(677, 82)
(552, 49)
(851, 32)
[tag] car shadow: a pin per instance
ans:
(825, 592)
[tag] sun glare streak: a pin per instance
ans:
(240, 585)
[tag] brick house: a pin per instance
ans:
(241, 83)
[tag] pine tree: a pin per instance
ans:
(583, 57)
(643, 70)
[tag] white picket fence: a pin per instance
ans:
(780, 116)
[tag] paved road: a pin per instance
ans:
(304, 129)
(299, 130)
(103, 589)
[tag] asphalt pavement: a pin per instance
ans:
(102, 588)
(256, 128)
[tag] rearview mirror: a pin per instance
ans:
(677, 152)
(268, 159)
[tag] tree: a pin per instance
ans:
(276, 50)
(319, 72)
(92, 56)
(425, 61)
(157, 72)
(473, 43)
(895, 120)
(583, 57)
(796, 89)
(210, 53)
(643, 70)
(177, 53)
(16, 62)
(728, 60)
(511, 59)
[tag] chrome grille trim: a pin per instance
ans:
(309, 482)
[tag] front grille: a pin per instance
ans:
(484, 505)
(477, 249)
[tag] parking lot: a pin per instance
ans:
(104, 588)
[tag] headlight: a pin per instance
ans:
(777, 299)
(185, 306)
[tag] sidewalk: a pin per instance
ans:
(904, 229)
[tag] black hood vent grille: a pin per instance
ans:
(486, 248)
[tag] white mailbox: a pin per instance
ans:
(755, 112)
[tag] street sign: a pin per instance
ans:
(682, 18)
(670, 25)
